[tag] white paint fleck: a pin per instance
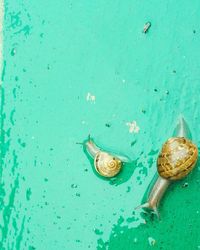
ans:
(135, 240)
(90, 97)
(152, 241)
(185, 184)
(133, 127)
(123, 80)
(144, 222)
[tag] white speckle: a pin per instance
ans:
(115, 235)
(198, 247)
(197, 212)
(13, 51)
(33, 137)
(133, 127)
(83, 122)
(90, 97)
(123, 80)
(152, 241)
(144, 222)
(185, 184)
(135, 240)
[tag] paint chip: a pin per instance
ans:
(133, 127)
(146, 27)
(152, 241)
(90, 97)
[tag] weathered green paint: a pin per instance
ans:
(55, 53)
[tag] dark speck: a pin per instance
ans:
(194, 31)
(144, 111)
(13, 52)
(73, 186)
(108, 125)
(155, 90)
(174, 71)
(31, 248)
(133, 143)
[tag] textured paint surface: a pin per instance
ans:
(73, 68)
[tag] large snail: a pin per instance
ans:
(106, 164)
(176, 160)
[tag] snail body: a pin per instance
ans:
(106, 164)
(176, 160)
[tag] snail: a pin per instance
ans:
(176, 160)
(106, 164)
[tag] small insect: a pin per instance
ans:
(106, 164)
(146, 27)
(176, 160)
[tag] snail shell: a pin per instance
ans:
(177, 158)
(107, 165)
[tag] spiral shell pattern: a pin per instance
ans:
(177, 158)
(107, 165)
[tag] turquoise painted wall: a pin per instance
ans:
(73, 68)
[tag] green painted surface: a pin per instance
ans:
(55, 53)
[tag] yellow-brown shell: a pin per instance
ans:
(106, 164)
(177, 158)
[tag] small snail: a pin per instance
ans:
(106, 164)
(176, 160)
